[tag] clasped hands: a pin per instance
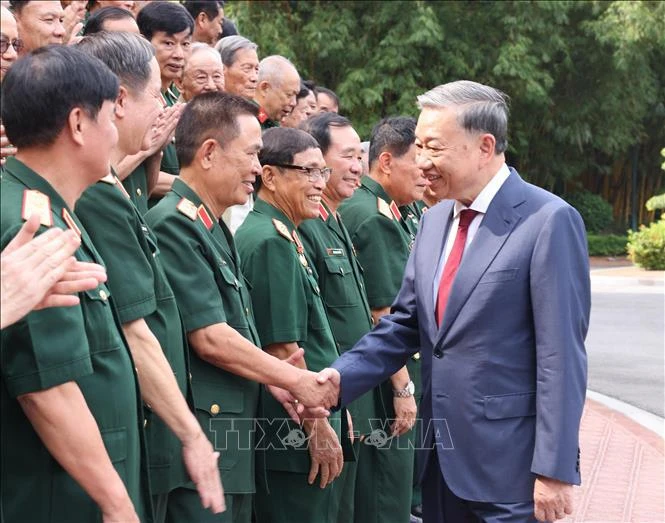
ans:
(312, 396)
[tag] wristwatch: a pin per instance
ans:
(406, 392)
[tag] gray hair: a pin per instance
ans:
(127, 55)
(480, 108)
(230, 45)
(272, 68)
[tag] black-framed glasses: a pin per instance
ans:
(16, 43)
(312, 173)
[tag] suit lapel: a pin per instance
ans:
(494, 230)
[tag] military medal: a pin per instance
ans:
(300, 249)
(35, 202)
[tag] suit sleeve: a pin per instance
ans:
(560, 294)
(386, 349)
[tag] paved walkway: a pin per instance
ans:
(622, 462)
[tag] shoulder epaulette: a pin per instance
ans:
(282, 229)
(395, 210)
(205, 217)
(112, 179)
(384, 208)
(187, 208)
(36, 202)
(323, 213)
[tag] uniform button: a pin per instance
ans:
(438, 354)
(103, 295)
(190, 376)
(246, 311)
(416, 356)
(145, 422)
(214, 409)
(139, 192)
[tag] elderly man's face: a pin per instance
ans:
(9, 36)
(40, 23)
(326, 104)
(211, 31)
(241, 77)
(203, 73)
(343, 157)
(280, 97)
(446, 153)
(295, 194)
(408, 182)
(300, 113)
(172, 51)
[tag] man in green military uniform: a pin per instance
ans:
(329, 246)
(145, 302)
(218, 139)
(383, 241)
(276, 90)
(168, 27)
(71, 419)
(290, 313)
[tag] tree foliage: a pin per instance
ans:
(586, 79)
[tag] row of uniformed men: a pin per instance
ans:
(175, 281)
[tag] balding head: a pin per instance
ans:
(9, 33)
(203, 72)
(278, 85)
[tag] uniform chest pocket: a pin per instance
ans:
(227, 276)
(338, 282)
(99, 319)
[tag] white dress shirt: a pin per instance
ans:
(480, 204)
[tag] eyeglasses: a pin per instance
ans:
(16, 43)
(312, 173)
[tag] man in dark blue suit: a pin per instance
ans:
(496, 296)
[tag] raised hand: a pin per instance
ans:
(325, 452)
(553, 499)
(405, 415)
(201, 462)
(160, 133)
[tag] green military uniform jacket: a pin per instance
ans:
(136, 185)
(329, 246)
(264, 119)
(138, 283)
(53, 346)
(203, 269)
(383, 243)
(289, 308)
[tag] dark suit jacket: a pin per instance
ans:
(504, 378)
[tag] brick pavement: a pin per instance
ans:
(622, 465)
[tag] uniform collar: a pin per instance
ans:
(263, 207)
(185, 191)
(375, 188)
(26, 176)
(171, 95)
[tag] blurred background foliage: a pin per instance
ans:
(586, 79)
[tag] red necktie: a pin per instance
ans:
(452, 263)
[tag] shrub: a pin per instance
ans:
(607, 244)
(646, 247)
(595, 211)
(656, 202)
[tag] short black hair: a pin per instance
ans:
(310, 84)
(169, 17)
(42, 88)
(280, 145)
(304, 91)
(229, 28)
(95, 23)
(17, 6)
(320, 89)
(209, 7)
(395, 134)
(209, 115)
(319, 127)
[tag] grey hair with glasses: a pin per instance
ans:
(480, 108)
(127, 55)
(230, 45)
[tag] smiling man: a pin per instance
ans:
(290, 313)
(277, 89)
(203, 72)
(40, 23)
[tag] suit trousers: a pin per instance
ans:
(441, 505)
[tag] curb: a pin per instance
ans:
(646, 419)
